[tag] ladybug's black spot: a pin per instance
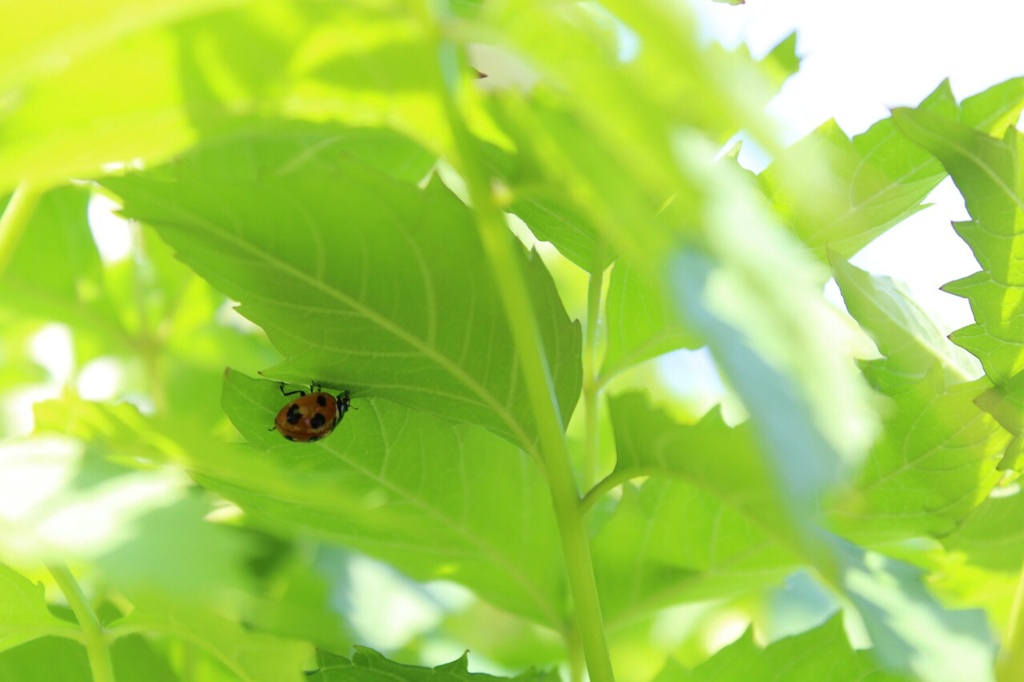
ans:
(321, 400)
(318, 421)
(294, 415)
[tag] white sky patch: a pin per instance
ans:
(111, 233)
(859, 60)
(51, 348)
(100, 379)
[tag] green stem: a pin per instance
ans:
(15, 219)
(1010, 664)
(500, 249)
(608, 483)
(95, 639)
(591, 386)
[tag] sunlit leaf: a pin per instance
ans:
(431, 498)
(986, 170)
(24, 609)
(642, 321)
(671, 542)
(933, 464)
(910, 341)
(819, 654)
(368, 284)
(249, 656)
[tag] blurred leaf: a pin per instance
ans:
(299, 605)
(146, 80)
(642, 322)
(23, 608)
(783, 58)
(368, 665)
(50, 658)
(910, 630)
(141, 529)
(801, 446)
(177, 554)
(56, 272)
(429, 497)
(555, 152)
(506, 639)
(279, 147)
(55, 502)
(136, 658)
(841, 194)
(819, 654)
(118, 68)
(249, 656)
(406, 310)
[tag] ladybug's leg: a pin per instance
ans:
(299, 392)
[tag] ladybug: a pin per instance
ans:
(311, 417)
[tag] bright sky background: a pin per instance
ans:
(859, 59)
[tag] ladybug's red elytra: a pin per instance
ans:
(311, 416)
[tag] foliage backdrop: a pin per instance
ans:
(490, 269)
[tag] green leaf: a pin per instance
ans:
(431, 498)
(935, 462)
(888, 595)
(642, 321)
(555, 151)
(209, 68)
(76, 505)
(910, 630)
(720, 461)
(803, 449)
(985, 170)
(904, 333)
(819, 654)
(992, 537)
(280, 147)
(249, 656)
(49, 658)
(1006, 404)
(56, 273)
(370, 666)
(721, 527)
(671, 542)
(23, 612)
(405, 309)
(840, 194)
(995, 109)
(138, 658)
(552, 219)
(783, 58)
